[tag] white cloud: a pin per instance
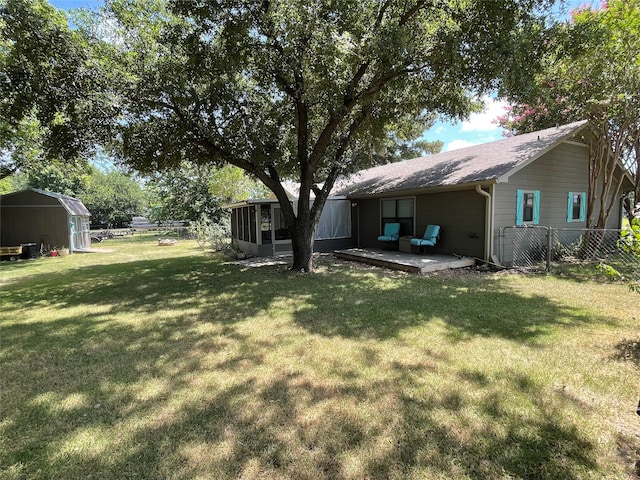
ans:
(458, 144)
(485, 121)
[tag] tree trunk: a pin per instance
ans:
(302, 239)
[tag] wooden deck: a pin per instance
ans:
(409, 262)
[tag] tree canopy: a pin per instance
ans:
(113, 197)
(283, 89)
(303, 90)
(591, 71)
(194, 192)
(56, 103)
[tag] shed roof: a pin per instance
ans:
(73, 206)
(490, 162)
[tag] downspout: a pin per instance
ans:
(488, 224)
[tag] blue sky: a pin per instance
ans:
(479, 128)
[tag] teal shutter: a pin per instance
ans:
(519, 199)
(570, 208)
(583, 207)
(536, 207)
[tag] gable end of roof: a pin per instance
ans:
(566, 138)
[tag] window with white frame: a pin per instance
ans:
(527, 207)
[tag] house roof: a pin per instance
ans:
(73, 206)
(486, 163)
(292, 189)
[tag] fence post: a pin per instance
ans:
(549, 246)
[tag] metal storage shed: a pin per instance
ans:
(45, 218)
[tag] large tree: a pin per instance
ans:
(113, 197)
(304, 90)
(68, 178)
(197, 192)
(55, 97)
(592, 72)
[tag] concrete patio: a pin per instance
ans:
(408, 262)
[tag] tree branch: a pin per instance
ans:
(411, 12)
(322, 195)
(381, 12)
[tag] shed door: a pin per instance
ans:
(79, 233)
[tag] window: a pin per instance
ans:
(265, 223)
(252, 225)
(279, 225)
(576, 207)
(335, 220)
(527, 207)
(243, 224)
(400, 211)
(234, 223)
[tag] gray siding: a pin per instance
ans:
(253, 249)
(555, 174)
(332, 244)
(267, 250)
(460, 215)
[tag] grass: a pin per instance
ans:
(164, 362)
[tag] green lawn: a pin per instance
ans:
(165, 362)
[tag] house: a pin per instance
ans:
(475, 193)
(45, 218)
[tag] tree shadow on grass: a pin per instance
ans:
(628, 351)
(483, 307)
(188, 392)
(338, 303)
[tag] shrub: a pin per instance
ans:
(210, 235)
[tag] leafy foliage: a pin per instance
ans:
(55, 97)
(197, 192)
(113, 197)
(67, 178)
(303, 90)
(183, 194)
(592, 72)
(232, 184)
(629, 243)
(212, 236)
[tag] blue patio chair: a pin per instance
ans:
(391, 233)
(429, 239)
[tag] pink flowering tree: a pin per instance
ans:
(592, 72)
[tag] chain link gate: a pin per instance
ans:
(525, 246)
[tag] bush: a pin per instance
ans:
(630, 244)
(210, 235)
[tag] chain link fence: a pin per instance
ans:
(549, 248)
